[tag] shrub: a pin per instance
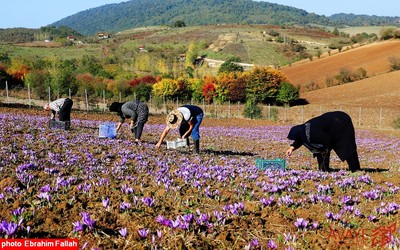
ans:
(394, 63)
(251, 109)
(396, 123)
(287, 94)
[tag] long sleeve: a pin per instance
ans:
(296, 144)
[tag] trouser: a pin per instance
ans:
(143, 116)
(323, 160)
(195, 133)
(65, 111)
(353, 162)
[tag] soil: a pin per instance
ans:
(374, 58)
(220, 193)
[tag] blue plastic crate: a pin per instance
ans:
(107, 130)
(277, 164)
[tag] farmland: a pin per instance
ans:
(114, 194)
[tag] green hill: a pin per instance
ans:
(141, 13)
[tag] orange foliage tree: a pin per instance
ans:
(263, 83)
(209, 88)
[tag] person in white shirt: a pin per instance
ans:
(188, 118)
(62, 107)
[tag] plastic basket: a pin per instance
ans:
(59, 124)
(277, 164)
(177, 143)
(107, 130)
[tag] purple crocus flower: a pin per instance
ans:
(254, 242)
(18, 212)
(148, 201)
(272, 244)
(143, 232)
(289, 237)
(45, 188)
(45, 196)
(267, 202)
(87, 220)
(105, 202)
(123, 232)
(301, 223)
(125, 205)
(10, 228)
(160, 219)
(78, 226)
(372, 218)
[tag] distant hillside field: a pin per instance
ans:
(374, 58)
(381, 91)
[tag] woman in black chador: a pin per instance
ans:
(332, 130)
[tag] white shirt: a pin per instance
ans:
(186, 113)
(57, 104)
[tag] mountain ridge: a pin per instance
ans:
(139, 13)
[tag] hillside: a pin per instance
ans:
(374, 58)
(381, 91)
(140, 13)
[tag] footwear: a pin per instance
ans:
(197, 146)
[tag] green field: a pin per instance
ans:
(70, 52)
(251, 43)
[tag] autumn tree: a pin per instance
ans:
(230, 87)
(263, 83)
(209, 88)
(17, 70)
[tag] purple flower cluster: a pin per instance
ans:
(86, 222)
(303, 224)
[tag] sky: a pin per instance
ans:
(38, 13)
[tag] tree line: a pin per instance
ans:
(88, 76)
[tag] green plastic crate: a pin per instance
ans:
(277, 164)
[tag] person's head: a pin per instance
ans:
(116, 107)
(295, 132)
(174, 119)
(46, 106)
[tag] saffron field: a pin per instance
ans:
(115, 194)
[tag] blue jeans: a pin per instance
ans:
(195, 131)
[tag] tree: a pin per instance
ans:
(263, 84)
(63, 78)
(179, 24)
(231, 66)
(231, 87)
(143, 91)
(251, 109)
(39, 81)
(287, 94)
(209, 88)
(196, 87)
(191, 54)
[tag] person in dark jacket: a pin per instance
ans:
(188, 118)
(62, 107)
(332, 130)
(136, 110)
